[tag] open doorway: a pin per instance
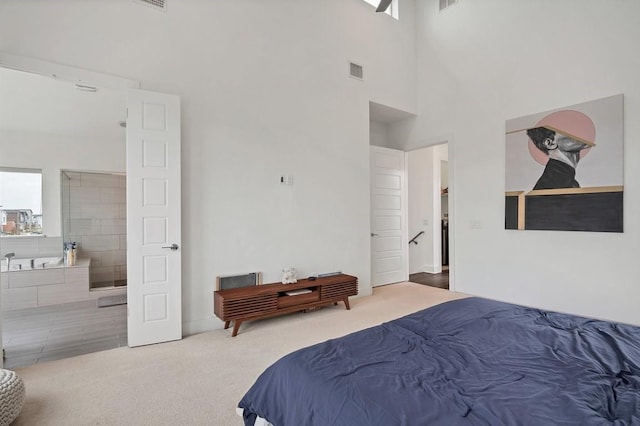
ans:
(428, 215)
(150, 122)
(410, 189)
(63, 130)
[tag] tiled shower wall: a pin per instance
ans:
(94, 213)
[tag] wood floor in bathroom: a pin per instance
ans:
(35, 335)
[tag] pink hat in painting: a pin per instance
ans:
(573, 124)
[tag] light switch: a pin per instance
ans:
(476, 224)
(286, 179)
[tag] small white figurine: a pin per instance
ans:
(289, 276)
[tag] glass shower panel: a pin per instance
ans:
(65, 181)
(94, 216)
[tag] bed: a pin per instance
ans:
(464, 362)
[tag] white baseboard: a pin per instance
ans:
(432, 269)
(201, 326)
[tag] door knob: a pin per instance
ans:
(173, 246)
(374, 235)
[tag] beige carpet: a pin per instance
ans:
(200, 379)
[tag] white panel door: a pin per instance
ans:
(154, 293)
(388, 216)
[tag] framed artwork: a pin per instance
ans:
(564, 168)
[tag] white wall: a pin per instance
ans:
(379, 134)
(481, 63)
(265, 91)
(420, 185)
(425, 206)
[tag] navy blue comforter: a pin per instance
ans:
(464, 362)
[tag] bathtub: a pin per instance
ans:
(27, 264)
(49, 282)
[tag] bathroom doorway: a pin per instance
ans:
(94, 217)
(80, 129)
(63, 129)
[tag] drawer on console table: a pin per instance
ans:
(298, 299)
(231, 308)
(338, 290)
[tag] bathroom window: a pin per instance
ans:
(20, 202)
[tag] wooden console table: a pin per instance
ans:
(269, 300)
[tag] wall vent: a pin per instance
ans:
(446, 3)
(356, 71)
(156, 4)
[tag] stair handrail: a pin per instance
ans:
(413, 240)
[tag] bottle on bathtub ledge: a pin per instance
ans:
(70, 254)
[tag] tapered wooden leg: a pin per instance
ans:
(236, 326)
(226, 324)
(346, 303)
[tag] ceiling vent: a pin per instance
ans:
(356, 71)
(156, 4)
(446, 3)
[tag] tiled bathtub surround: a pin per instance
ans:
(28, 246)
(44, 286)
(94, 216)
